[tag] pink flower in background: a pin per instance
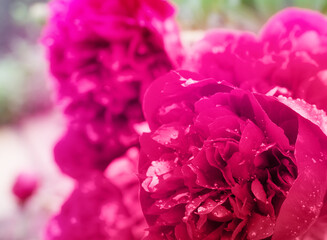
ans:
(103, 55)
(78, 157)
(25, 186)
(123, 173)
(223, 163)
(93, 211)
(287, 57)
(103, 206)
(297, 41)
(228, 55)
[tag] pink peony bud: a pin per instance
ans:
(25, 186)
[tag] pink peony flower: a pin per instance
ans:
(25, 186)
(103, 55)
(223, 163)
(287, 57)
(103, 206)
(78, 157)
(93, 211)
(123, 173)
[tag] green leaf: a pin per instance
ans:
(312, 4)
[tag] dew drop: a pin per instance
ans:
(253, 234)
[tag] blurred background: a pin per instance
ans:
(30, 124)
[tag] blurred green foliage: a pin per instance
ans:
(23, 86)
(237, 14)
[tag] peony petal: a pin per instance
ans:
(252, 138)
(220, 214)
(181, 232)
(307, 111)
(260, 227)
(305, 199)
(258, 190)
(172, 88)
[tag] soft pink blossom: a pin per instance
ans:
(103, 55)
(287, 57)
(103, 205)
(94, 211)
(123, 173)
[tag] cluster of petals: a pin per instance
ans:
(286, 58)
(221, 162)
(103, 55)
(102, 206)
(93, 211)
